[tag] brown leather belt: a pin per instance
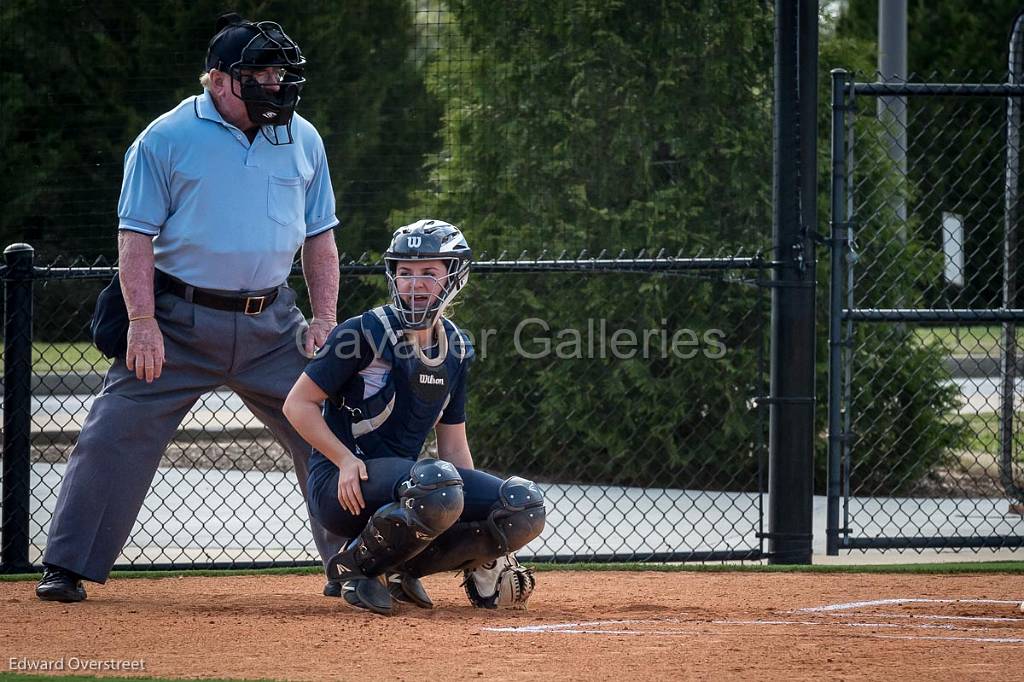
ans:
(248, 302)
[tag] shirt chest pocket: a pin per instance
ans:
(286, 200)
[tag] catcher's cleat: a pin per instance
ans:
(332, 588)
(58, 584)
(359, 590)
(368, 594)
(481, 585)
(500, 583)
(409, 590)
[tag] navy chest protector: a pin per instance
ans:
(417, 387)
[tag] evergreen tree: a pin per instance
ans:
(593, 124)
(80, 80)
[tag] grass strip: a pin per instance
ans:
(926, 568)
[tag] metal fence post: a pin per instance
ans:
(840, 240)
(17, 408)
(1011, 240)
(791, 403)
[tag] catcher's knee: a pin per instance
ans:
(518, 515)
(429, 502)
(432, 497)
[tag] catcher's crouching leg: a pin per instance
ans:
(429, 502)
(483, 549)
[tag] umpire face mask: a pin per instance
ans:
(266, 69)
(270, 96)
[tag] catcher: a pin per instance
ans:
(366, 404)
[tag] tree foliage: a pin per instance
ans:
(607, 124)
(943, 36)
(591, 125)
(81, 79)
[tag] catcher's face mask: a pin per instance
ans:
(420, 290)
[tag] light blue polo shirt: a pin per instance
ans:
(225, 214)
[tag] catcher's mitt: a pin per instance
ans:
(501, 583)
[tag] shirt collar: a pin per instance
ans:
(205, 108)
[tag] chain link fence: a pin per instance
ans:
(929, 446)
(561, 396)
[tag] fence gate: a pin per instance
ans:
(926, 442)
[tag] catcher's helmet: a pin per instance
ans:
(428, 240)
(242, 48)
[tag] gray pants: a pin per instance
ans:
(131, 422)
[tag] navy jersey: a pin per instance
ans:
(385, 396)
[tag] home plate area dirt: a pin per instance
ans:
(580, 626)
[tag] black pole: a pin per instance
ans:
(840, 242)
(1011, 239)
(791, 421)
(17, 408)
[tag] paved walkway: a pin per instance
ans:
(63, 414)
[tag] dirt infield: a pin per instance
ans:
(581, 625)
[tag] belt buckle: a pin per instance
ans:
(258, 301)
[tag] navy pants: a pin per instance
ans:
(384, 474)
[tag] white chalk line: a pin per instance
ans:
(600, 627)
(983, 619)
(664, 633)
(594, 628)
(590, 629)
(887, 602)
(901, 626)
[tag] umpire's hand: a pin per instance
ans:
(145, 354)
(316, 335)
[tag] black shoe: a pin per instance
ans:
(58, 584)
(332, 588)
(368, 594)
(409, 590)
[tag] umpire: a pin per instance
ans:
(218, 195)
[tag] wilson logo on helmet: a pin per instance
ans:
(414, 242)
